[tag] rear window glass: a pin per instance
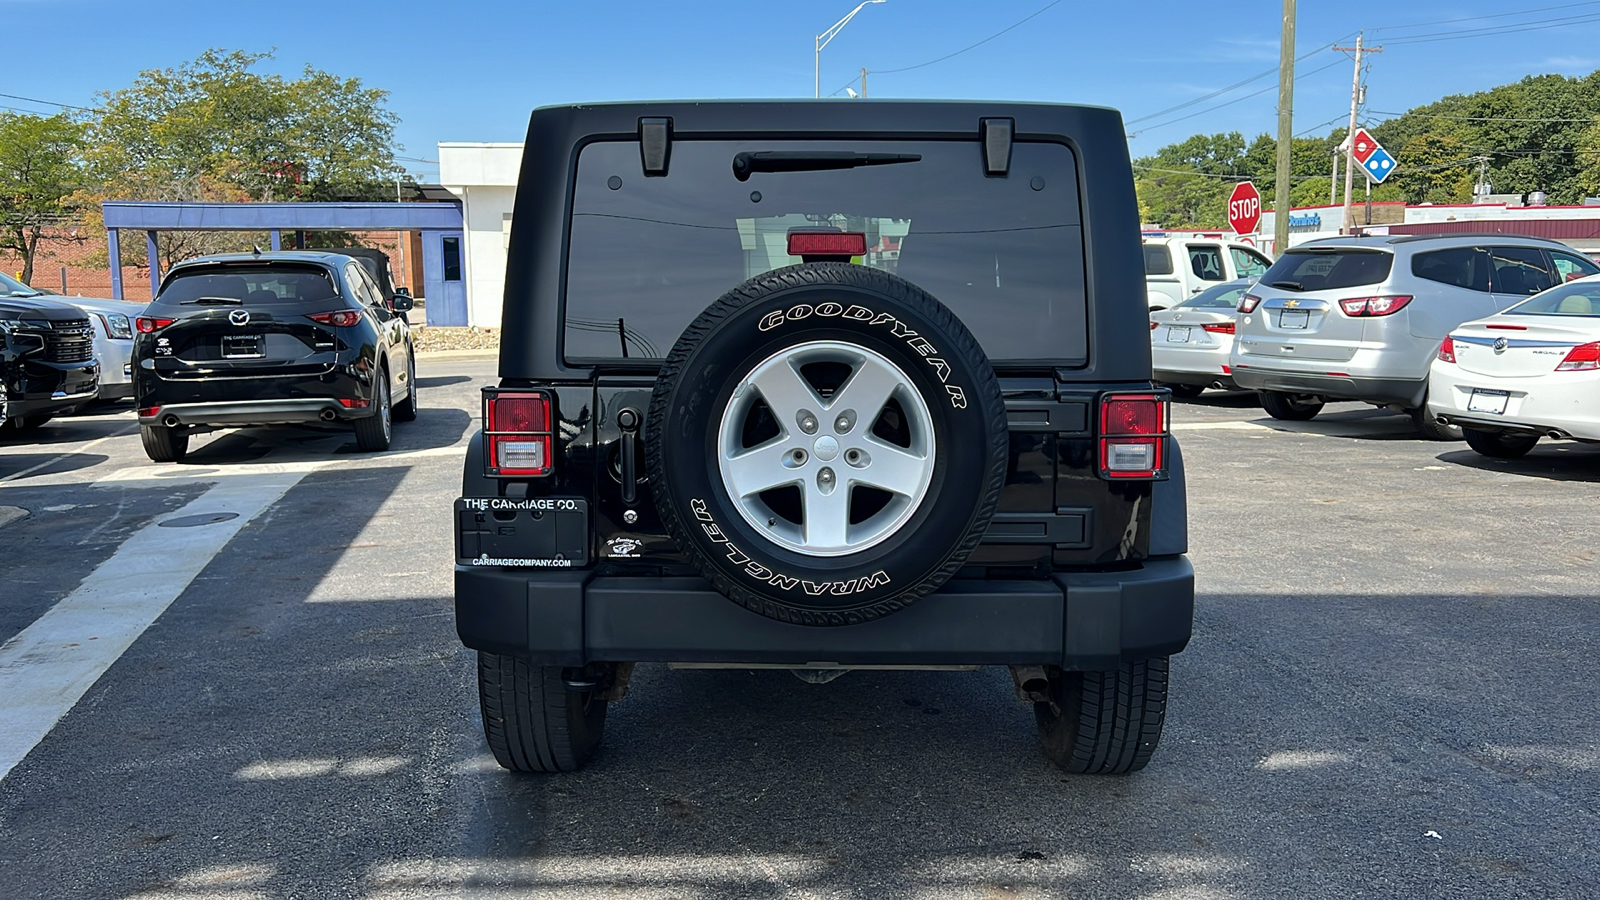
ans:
(1157, 260)
(647, 255)
(250, 284)
(1223, 296)
(1322, 270)
(1566, 300)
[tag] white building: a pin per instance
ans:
(484, 176)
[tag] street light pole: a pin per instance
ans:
(826, 37)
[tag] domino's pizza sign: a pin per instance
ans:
(1370, 155)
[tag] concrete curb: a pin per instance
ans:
(457, 354)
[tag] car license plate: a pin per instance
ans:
(241, 346)
(1178, 334)
(1488, 401)
(1294, 318)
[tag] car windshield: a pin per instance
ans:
(647, 255)
(10, 287)
(1580, 298)
(1223, 296)
(248, 284)
(1322, 269)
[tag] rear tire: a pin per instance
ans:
(163, 444)
(1433, 431)
(1104, 723)
(1184, 391)
(406, 410)
(1291, 407)
(1500, 444)
(374, 432)
(531, 721)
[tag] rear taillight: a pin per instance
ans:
(1133, 435)
(1365, 307)
(517, 433)
(1153, 326)
(146, 324)
(1219, 328)
(343, 318)
(1447, 350)
(1248, 303)
(1581, 357)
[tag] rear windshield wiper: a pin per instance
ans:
(812, 161)
(1291, 285)
(212, 301)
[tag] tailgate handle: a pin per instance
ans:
(628, 421)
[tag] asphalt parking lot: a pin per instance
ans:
(1390, 693)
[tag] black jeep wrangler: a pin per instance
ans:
(820, 386)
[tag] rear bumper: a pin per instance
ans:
(1402, 392)
(253, 412)
(1560, 402)
(1198, 379)
(1077, 620)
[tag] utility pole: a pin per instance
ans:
(1349, 135)
(863, 82)
(1280, 194)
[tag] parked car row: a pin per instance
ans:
(301, 337)
(1440, 328)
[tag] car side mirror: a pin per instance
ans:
(402, 303)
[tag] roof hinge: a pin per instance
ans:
(996, 134)
(655, 144)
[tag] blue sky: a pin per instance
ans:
(470, 70)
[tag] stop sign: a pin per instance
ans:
(1244, 208)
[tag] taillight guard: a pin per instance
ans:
(1133, 436)
(518, 433)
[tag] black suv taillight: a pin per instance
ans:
(1133, 436)
(517, 433)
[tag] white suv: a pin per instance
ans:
(1177, 268)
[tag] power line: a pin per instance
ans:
(1270, 87)
(1515, 28)
(1520, 12)
(975, 46)
(1478, 118)
(1235, 86)
(46, 102)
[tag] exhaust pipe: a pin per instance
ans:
(1442, 420)
(327, 415)
(1556, 434)
(171, 421)
(1033, 685)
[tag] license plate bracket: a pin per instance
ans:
(1485, 400)
(541, 532)
(1178, 334)
(1294, 318)
(241, 346)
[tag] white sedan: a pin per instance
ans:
(1530, 371)
(1190, 342)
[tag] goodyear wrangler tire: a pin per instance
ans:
(826, 443)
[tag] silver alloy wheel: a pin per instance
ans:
(826, 448)
(383, 405)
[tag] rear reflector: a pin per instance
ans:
(146, 325)
(1581, 358)
(1227, 370)
(1133, 435)
(827, 243)
(149, 412)
(354, 404)
(1220, 328)
(517, 433)
(1447, 350)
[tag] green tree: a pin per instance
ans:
(41, 169)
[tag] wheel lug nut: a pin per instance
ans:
(808, 423)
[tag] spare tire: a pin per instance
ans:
(826, 443)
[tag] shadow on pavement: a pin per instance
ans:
(13, 463)
(439, 381)
(1555, 460)
(1224, 400)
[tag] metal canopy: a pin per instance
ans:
(274, 218)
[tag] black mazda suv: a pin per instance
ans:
(271, 339)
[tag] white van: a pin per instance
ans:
(1177, 268)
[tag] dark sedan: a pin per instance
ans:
(271, 339)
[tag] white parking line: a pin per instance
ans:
(52, 663)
